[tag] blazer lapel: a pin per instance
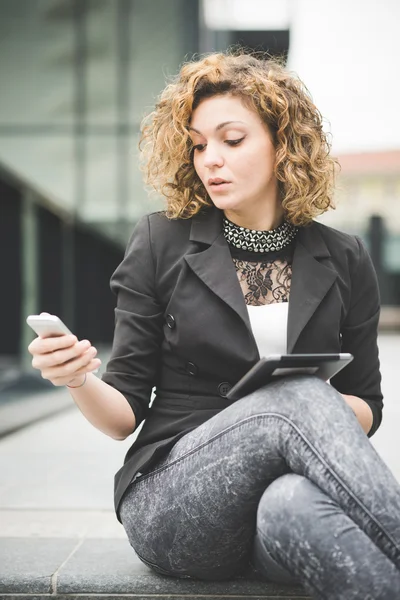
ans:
(214, 265)
(311, 280)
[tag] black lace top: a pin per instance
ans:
(265, 278)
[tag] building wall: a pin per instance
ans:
(80, 76)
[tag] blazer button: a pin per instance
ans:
(224, 388)
(170, 321)
(191, 368)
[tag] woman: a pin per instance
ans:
(284, 479)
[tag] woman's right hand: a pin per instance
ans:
(63, 360)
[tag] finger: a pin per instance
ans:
(70, 368)
(45, 345)
(60, 357)
(92, 366)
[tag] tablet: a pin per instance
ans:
(323, 366)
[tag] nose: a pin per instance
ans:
(212, 157)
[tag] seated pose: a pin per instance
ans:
(283, 481)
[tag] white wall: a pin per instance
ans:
(347, 53)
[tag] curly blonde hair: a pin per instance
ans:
(304, 168)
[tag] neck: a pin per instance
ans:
(264, 222)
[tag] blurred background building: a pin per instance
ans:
(78, 75)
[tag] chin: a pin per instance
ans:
(225, 204)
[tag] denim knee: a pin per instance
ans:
(273, 528)
(285, 513)
(283, 497)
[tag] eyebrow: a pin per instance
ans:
(218, 127)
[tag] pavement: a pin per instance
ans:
(58, 532)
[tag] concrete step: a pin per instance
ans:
(71, 568)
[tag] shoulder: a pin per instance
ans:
(167, 239)
(156, 243)
(345, 249)
(336, 240)
(159, 222)
(159, 227)
(348, 252)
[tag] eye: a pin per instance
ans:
(199, 147)
(234, 142)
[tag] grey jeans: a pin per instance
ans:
(284, 479)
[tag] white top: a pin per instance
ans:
(269, 325)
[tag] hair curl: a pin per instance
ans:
(304, 168)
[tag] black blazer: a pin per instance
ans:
(182, 326)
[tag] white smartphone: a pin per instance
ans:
(47, 325)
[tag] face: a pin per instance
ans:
(234, 157)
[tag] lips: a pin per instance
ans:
(217, 181)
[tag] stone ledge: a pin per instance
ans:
(73, 569)
(267, 593)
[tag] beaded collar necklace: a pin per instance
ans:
(255, 240)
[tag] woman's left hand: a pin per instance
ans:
(361, 410)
